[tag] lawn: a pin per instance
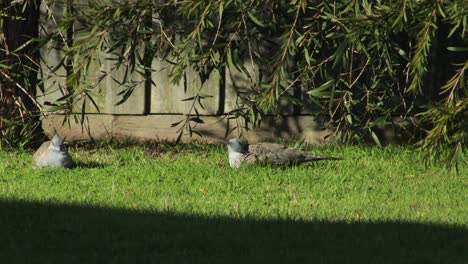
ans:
(160, 203)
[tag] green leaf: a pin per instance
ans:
(229, 59)
(177, 123)
(83, 111)
(307, 56)
(376, 139)
(220, 11)
(197, 120)
(321, 90)
(402, 53)
(4, 66)
(255, 20)
(349, 118)
(457, 48)
(339, 54)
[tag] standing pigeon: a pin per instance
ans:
(52, 154)
(267, 153)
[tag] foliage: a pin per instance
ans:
(358, 65)
(449, 134)
(19, 110)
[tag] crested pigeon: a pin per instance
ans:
(52, 153)
(267, 153)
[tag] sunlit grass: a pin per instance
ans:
(370, 184)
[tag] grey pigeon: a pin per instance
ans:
(267, 153)
(52, 154)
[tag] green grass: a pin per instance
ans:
(184, 204)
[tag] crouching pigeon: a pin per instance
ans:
(52, 154)
(268, 154)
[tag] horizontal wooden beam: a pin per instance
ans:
(158, 127)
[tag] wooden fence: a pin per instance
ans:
(154, 106)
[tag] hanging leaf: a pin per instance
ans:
(255, 20)
(321, 91)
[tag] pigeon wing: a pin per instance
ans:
(265, 148)
(277, 154)
(40, 154)
(280, 155)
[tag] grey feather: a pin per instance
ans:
(52, 154)
(268, 153)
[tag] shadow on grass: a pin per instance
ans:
(147, 144)
(46, 233)
(89, 164)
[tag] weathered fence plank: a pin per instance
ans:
(135, 104)
(53, 75)
(166, 97)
